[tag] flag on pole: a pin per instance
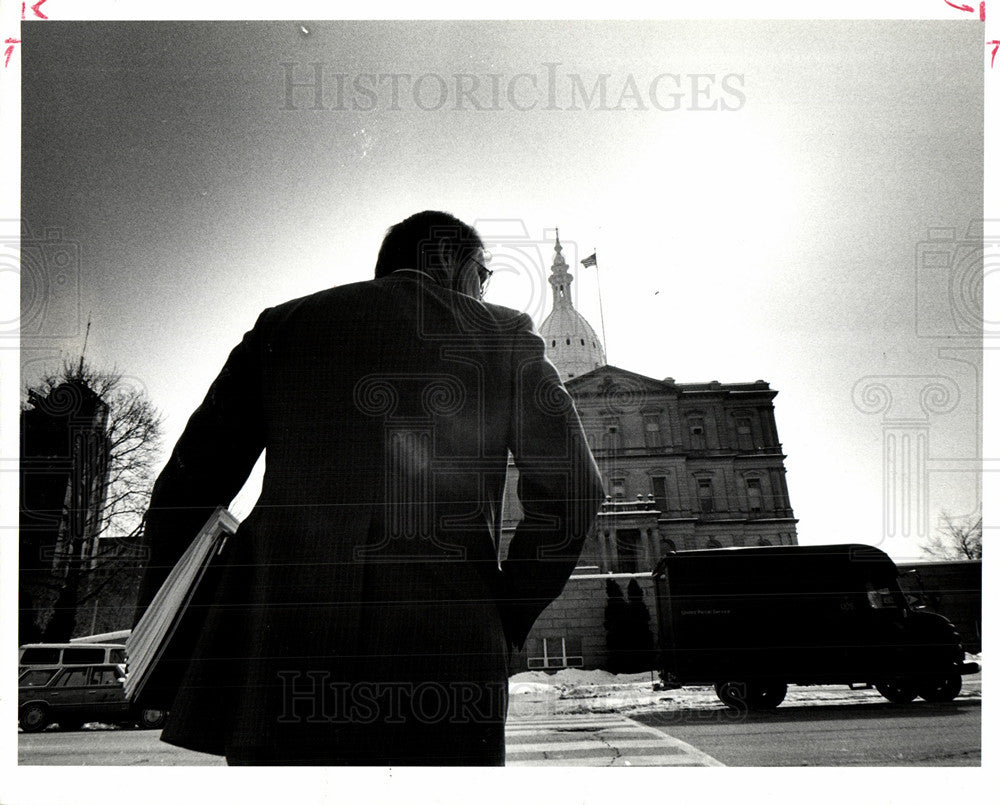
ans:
(589, 261)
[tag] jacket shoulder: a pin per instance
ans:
(514, 319)
(336, 293)
(339, 294)
(359, 295)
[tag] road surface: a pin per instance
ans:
(870, 733)
(864, 734)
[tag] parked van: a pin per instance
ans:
(54, 655)
(751, 621)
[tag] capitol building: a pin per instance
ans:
(685, 466)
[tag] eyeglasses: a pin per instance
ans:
(485, 275)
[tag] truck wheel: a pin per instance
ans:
(760, 695)
(33, 717)
(767, 695)
(734, 693)
(898, 691)
(941, 690)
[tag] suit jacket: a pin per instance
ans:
(361, 611)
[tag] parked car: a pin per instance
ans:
(71, 696)
(751, 621)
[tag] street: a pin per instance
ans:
(866, 732)
(872, 733)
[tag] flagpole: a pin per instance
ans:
(600, 303)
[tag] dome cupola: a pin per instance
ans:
(570, 342)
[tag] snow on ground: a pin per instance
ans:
(573, 690)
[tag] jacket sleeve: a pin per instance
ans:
(209, 465)
(559, 487)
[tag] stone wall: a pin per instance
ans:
(577, 616)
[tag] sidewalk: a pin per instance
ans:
(536, 694)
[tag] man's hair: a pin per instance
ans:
(412, 243)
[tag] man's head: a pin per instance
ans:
(447, 249)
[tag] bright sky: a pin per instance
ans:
(783, 239)
(773, 236)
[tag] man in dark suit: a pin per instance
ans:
(361, 615)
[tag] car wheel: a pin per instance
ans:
(941, 690)
(151, 719)
(766, 695)
(33, 717)
(898, 691)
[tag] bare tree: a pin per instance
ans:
(956, 538)
(112, 451)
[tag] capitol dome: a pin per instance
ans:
(570, 342)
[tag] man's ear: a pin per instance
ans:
(444, 249)
(444, 257)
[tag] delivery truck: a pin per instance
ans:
(752, 621)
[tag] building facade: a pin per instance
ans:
(63, 481)
(685, 466)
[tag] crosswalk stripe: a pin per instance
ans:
(596, 739)
(563, 719)
(588, 746)
(655, 760)
(609, 735)
(563, 722)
